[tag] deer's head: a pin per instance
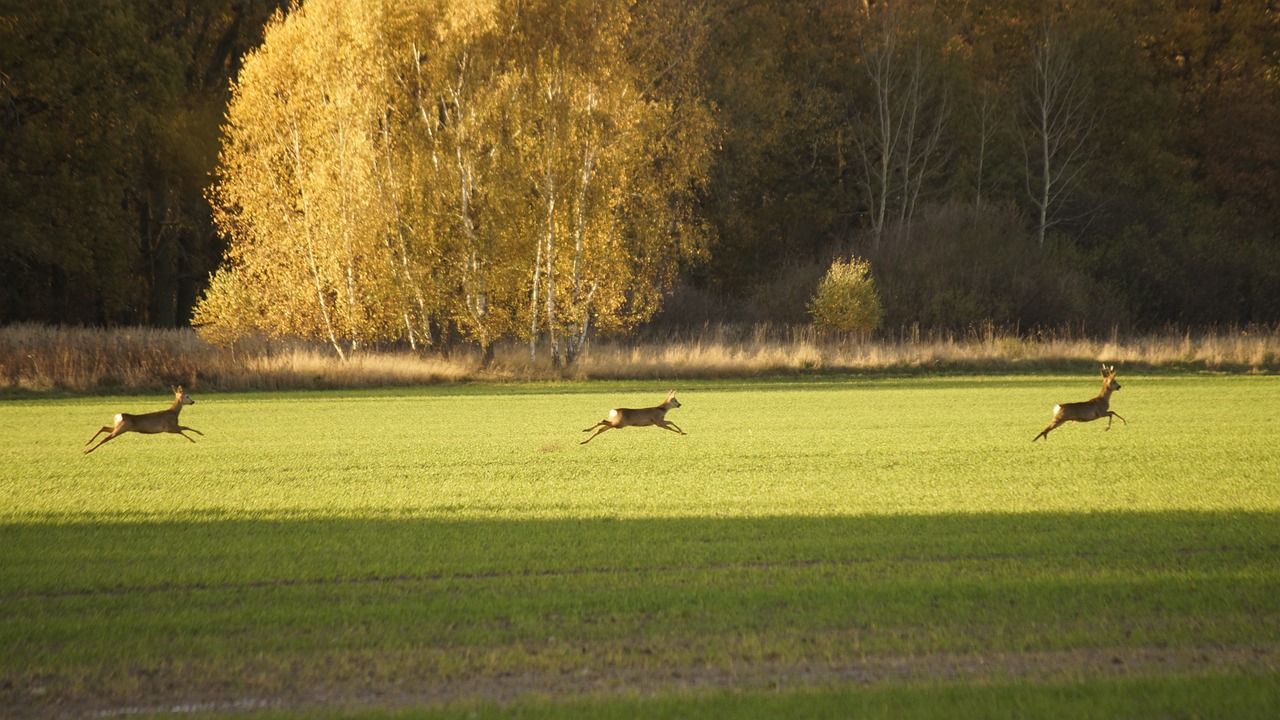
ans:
(1109, 377)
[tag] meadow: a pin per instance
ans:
(845, 544)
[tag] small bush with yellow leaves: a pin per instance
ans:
(846, 299)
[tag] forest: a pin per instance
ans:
(435, 171)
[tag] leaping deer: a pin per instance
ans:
(638, 417)
(161, 421)
(1089, 409)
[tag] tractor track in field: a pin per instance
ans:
(329, 684)
(440, 577)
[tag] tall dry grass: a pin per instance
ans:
(37, 358)
(40, 358)
(764, 349)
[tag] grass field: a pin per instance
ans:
(847, 545)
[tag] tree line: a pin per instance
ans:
(109, 117)
(437, 170)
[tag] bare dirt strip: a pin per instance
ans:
(399, 680)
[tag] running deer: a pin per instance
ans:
(1089, 409)
(638, 417)
(161, 421)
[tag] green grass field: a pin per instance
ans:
(849, 546)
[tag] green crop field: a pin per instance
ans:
(835, 546)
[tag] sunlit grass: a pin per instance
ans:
(812, 448)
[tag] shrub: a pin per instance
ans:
(846, 299)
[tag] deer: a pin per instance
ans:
(1089, 409)
(161, 421)
(638, 417)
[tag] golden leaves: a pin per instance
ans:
(486, 166)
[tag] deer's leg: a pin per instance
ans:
(183, 427)
(668, 425)
(1112, 414)
(104, 429)
(606, 425)
(593, 427)
(104, 440)
(1045, 432)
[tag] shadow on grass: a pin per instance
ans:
(99, 613)
(69, 554)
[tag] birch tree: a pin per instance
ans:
(459, 107)
(897, 136)
(296, 192)
(1056, 141)
(592, 135)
